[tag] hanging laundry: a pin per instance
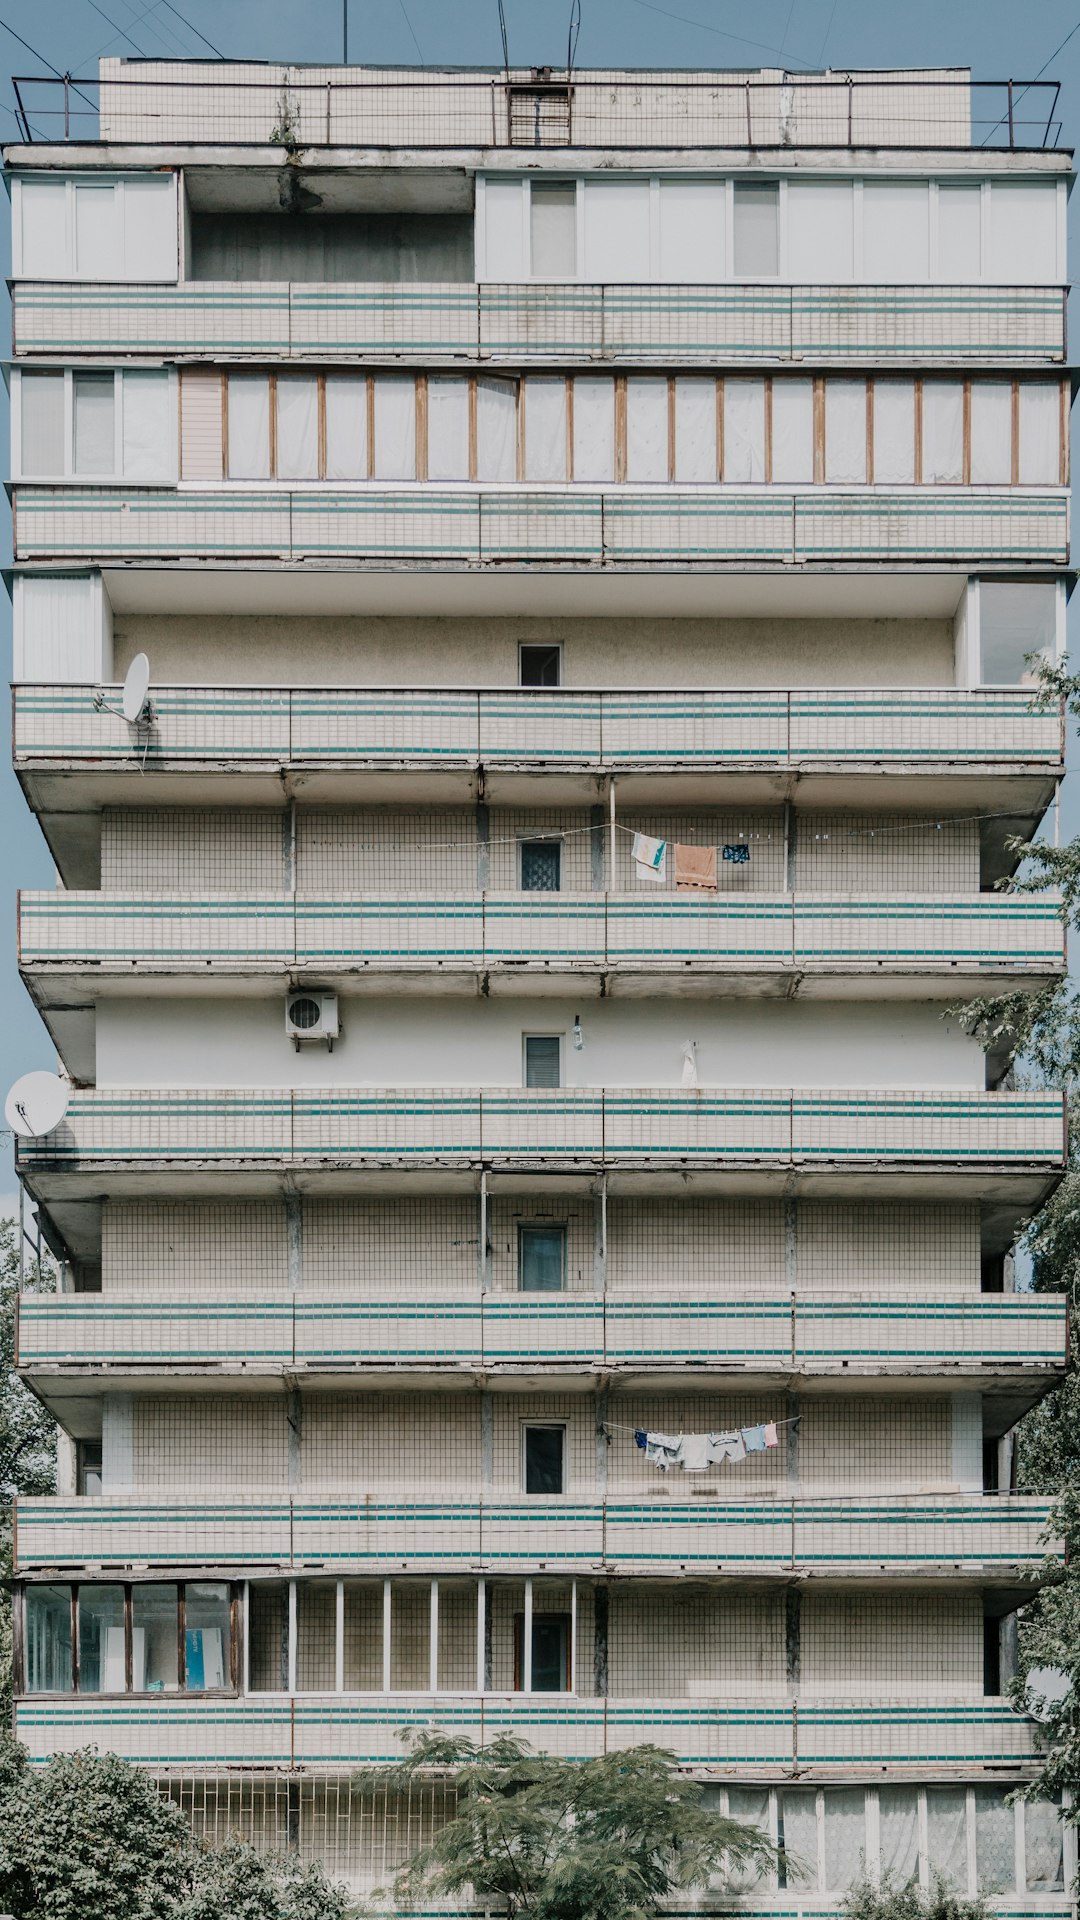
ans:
(662, 1450)
(694, 1454)
(771, 1439)
(650, 857)
(726, 1446)
(641, 1438)
(695, 868)
(689, 1063)
(754, 1439)
(739, 855)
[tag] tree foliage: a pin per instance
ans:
(27, 1432)
(554, 1839)
(894, 1899)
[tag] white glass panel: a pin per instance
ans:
(898, 1820)
(496, 429)
(297, 426)
(346, 427)
(946, 1822)
(646, 429)
(894, 432)
(750, 1806)
(695, 429)
(991, 431)
(448, 429)
(896, 231)
(798, 1811)
(1044, 1856)
(249, 426)
(43, 423)
(744, 430)
(149, 426)
(1023, 233)
(692, 218)
(1015, 618)
(95, 423)
(959, 229)
(819, 231)
(793, 430)
(845, 1837)
(553, 229)
(757, 249)
(545, 429)
(43, 217)
(1040, 434)
(395, 427)
(504, 208)
(150, 243)
(943, 431)
(995, 1842)
(845, 430)
(594, 428)
(616, 230)
(98, 251)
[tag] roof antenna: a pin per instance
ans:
(505, 43)
(572, 36)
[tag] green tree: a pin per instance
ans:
(604, 1839)
(27, 1432)
(905, 1900)
(89, 1837)
(233, 1882)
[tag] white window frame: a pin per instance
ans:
(968, 633)
(541, 1033)
(117, 478)
(133, 272)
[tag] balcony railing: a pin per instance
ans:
(441, 1333)
(328, 1732)
(917, 730)
(466, 526)
(192, 1131)
(980, 1536)
(667, 325)
(105, 933)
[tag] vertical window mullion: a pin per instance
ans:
(918, 432)
(273, 426)
(966, 467)
(129, 1644)
(870, 432)
(620, 427)
(320, 408)
(1015, 472)
(768, 428)
(370, 382)
(69, 422)
(421, 396)
(819, 429)
(75, 1676)
(181, 1637)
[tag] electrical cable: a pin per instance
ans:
(412, 30)
(720, 32)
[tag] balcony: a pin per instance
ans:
(384, 1338)
(328, 1732)
(581, 324)
(781, 944)
(647, 1139)
(463, 526)
(707, 1533)
(944, 746)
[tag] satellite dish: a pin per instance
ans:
(36, 1104)
(1046, 1689)
(133, 702)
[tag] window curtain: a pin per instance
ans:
(744, 430)
(894, 432)
(150, 426)
(646, 429)
(553, 229)
(991, 431)
(793, 430)
(1043, 1846)
(448, 429)
(995, 1842)
(249, 426)
(898, 1820)
(845, 1837)
(297, 426)
(943, 432)
(1023, 233)
(1040, 430)
(750, 1806)
(545, 429)
(395, 427)
(845, 431)
(695, 430)
(594, 428)
(346, 427)
(42, 424)
(496, 429)
(946, 1826)
(798, 1810)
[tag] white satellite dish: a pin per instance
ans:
(36, 1104)
(1046, 1689)
(134, 703)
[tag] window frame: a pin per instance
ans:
(534, 840)
(566, 1621)
(524, 1229)
(69, 273)
(236, 1626)
(549, 1034)
(543, 1426)
(540, 646)
(170, 472)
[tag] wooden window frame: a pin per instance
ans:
(819, 429)
(75, 1587)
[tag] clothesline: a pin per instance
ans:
(620, 1426)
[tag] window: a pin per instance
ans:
(943, 432)
(102, 1656)
(542, 1459)
(95, 423)
(49, 1640)
(756, 230)
(545, 428)
(959, 234)
(100, 229)
(896, 231)
(539, 666)
(541, 865)
(553, 229)
(894, 432)
(995, 1842)
(543, 1060)
(797, 1836)
(147, 1638)
(88, 1467)
(42, 424)
(550, 1653)
(97, 426)
(1016, 618)
(541, 1259)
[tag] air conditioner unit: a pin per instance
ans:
(311, 1013)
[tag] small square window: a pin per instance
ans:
(543, 1060)
(541, 1259)
(541, 866)
(542, 1451)
(540, 666)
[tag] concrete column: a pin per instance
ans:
(597, 874)
(793, 1639)
(292, 1637)
(526, 1640)
(339, 1636)
(294, 1240)
(487, 1440)
(483, 846)
(117, 1443)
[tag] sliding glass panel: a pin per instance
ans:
(448, 429)
(149, 426)
(845, 431)
(959, 234)
(1023, 233)
(395, 427)
(819, 231)
(496, 429)
(43, 424)
(297, 426)
(1040, 434)
(693, 216)
(98, 240)
(943, 432)
(316, 1631)
(545, 429)
(695, 430)
(207, 1636)
(756, 233)
(991, 432)
(896, 231)
(48, 1640)
(155, 1643)
(95, 423)
(744, 430)
(798, 1836)
(894, 433)
(44, 229)
(101, 1640)
(646, 429)
(249, 426)
(594, 428)
(750, 1806)
(553, 229)
(793, 430)
(616, 231)
(1016, 618)
(268, 1636)
(346, 427)
(995, 1841)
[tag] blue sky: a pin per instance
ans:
(997, 38)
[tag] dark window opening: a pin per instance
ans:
(543, 1459)
(991, 1467)
(540, 666)
(542, 1060)
(551, 1663)
(541, 866)
(88, 1467)
(541, 1259)
(992, 1656)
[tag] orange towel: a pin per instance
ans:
(695, 868)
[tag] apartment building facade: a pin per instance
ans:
(588, 539)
